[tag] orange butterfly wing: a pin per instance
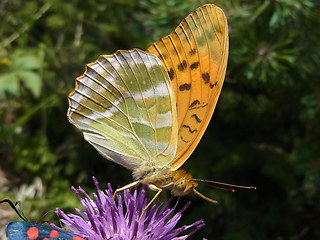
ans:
(195, 55)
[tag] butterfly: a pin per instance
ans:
(147, 110)
(25, 230)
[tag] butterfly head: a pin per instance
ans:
(178, 181)
(182, 183)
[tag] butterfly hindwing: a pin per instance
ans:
(34, 231)
(195, 57)
(125, 106)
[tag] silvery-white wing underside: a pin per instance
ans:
(125, 107)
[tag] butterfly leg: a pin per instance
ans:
(204, 197)
(153, 188)
(130, 185)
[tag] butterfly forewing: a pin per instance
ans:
(195, 56)
(125, 106)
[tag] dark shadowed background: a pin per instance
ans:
(265, 130)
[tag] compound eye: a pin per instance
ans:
(180, 184)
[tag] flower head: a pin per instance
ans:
(103, 218)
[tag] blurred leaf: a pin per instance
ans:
(9, 83)
(32, 81)
(26, 63)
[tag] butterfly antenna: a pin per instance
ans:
(13, 206)
(21, 209)
(59, 220)
(224, 189)
(41, 220)
(232, 186)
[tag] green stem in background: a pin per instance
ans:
(25, 27)
(48, 102)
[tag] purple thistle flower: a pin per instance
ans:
(104, 219)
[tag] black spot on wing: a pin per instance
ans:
(194, 65)
(194, 103)
(189, 128)
(171, 73)
(197, 118)
(184, 140)
(213, 84)
(192, 51)
(182, 66)
(205, 77)
(164, 56)
(186, 86)
(204, 105)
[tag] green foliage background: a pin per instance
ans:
(265, 130)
